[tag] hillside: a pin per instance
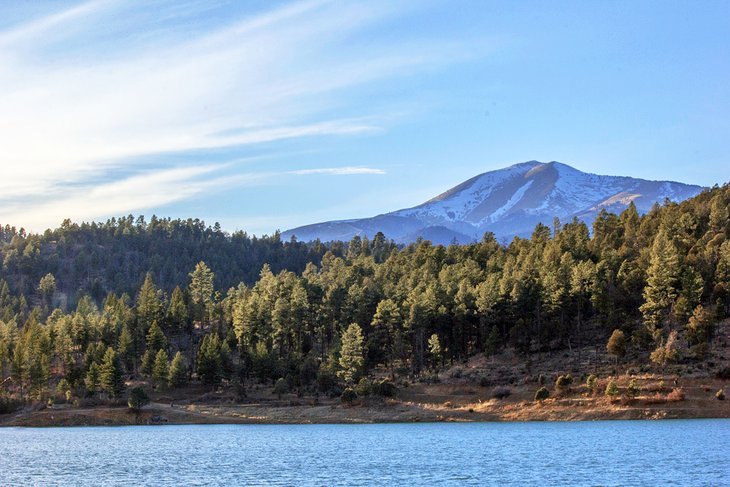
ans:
(649, 293)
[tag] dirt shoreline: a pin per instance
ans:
(422, 403)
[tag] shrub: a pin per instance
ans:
(633, 389)
(501, 392)
(138, 398)
(364, 387)
(385, 388)
(591, 382)
(676, 395)
(63, 387)
(348, 395)
(720, 395)
(564, 381)
(326, 380)
(542, 394)
(611, 388)
(281, 387)
(8, 405)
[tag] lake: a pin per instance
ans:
(678, 452)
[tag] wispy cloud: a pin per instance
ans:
(85, 90)
(340, 171)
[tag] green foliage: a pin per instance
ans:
(47, 286)
(633, 389)
(564, 381)
(92, 380)
(148, 362)
(178, 375)
(384, 388)
(140, 287)
(138, 399)
(667, 352)
(541, 394)
(592, 382)
(352, 354)
(434, 348)
(210, 366)
(662, 281)
(110, 374)
(364, 387)
(611, 388)
(348, 395)
(161, 368)
(616, 345)
(701, 326)
(156, 339)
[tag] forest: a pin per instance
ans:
(85, 309)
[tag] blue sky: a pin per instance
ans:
(268, 115)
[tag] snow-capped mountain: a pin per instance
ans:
(507, 202)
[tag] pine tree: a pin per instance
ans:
(209, 360)
(149, 304)
(434, 348)
(110, 374)
(201, 288)
(177, 312)
(661, 284)
(125, 346)
(156, 339)
(93, 379)
(352, 354)
(700, 327)
(148, 362)
(161, 367)
(46, 287)
(178, 374)
(616, 345)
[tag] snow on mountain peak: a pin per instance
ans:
(509, 202)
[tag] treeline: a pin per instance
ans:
(656, 284)
(97, 258)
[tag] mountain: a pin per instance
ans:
(508, 202)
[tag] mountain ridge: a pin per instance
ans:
(507, 202)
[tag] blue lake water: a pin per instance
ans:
(691, 452)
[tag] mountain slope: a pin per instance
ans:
(507, 202)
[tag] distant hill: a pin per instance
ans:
(507, 202)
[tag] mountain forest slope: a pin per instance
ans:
(651, 288)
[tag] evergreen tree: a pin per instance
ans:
(616, 345)
(110, 374)
(47, 287)
(178, 374)
(201, 288)
(161, 368)
(352, 354)
(156, 339)
(177, 312)
(149, 304)
(662, 281)
(434, 348)
(93, 379)
(125, 346)
(209, 360)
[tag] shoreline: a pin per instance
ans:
(390, 411)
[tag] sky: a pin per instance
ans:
(266, 115)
